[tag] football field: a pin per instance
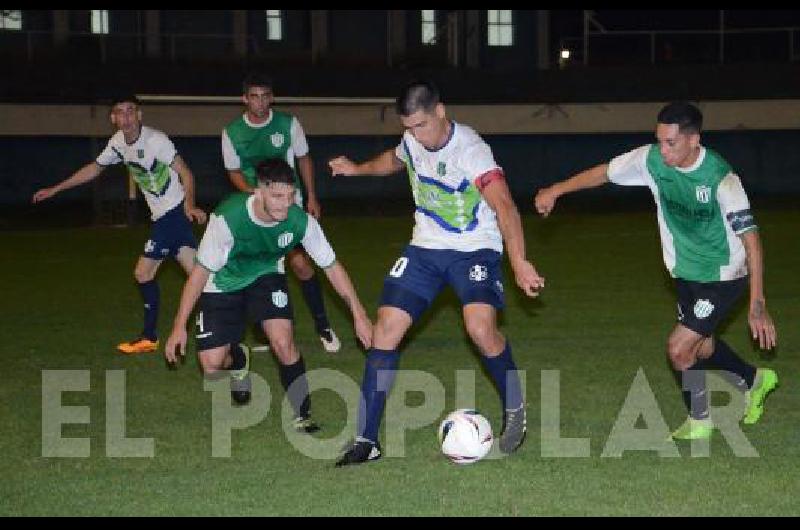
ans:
(595, 337)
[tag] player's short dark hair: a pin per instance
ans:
(256, 78)
(274, 170)
(417, 95)
(125, 97)
(686, 116)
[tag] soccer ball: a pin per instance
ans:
(465, 436)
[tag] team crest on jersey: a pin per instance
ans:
(478, 273)
(280, 299)
(441, 169)
(140, 153)
(284, 239)
(276, 139)
(703, 193)
(703, 308)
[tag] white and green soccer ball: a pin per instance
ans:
(465, 436)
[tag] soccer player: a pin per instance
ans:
(263, 132)
(240, 276)
(168, 186)
(464, 212)
(710, 245)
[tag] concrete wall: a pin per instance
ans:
(380, 119)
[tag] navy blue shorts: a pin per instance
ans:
(168, 234)
(702, 306)
(420, 274)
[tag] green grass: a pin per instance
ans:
(69, 297)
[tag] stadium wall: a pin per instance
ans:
(536, 144)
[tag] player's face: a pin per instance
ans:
(127, 117)
(277, 198)
(428, 128)
(677, 149)
(258, 100)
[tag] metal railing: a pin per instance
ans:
(659, 43)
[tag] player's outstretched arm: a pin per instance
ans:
(85, 174)
(305, 167)
(237, 179)
(498, 196)
(546, 198)
(191, 292)
(761, 325)
(340, 281)
(187, 179)
(385, 163)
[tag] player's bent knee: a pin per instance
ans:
(480, 331)
(143, 276)
(301, 267)
(283, 348)
(680, 358)
(210, 364)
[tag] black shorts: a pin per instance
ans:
(702, 306)
(223, 317)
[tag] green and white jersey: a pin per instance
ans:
(238, 247)
(245, 144)
(701, 211)
(149, 161)
(451, 212)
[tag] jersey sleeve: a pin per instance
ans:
(630, 169)
(229, 156)
(164, 148)
(734, 204)
(216, 245)
(109, 156)
(317, 246)
(478, 161)
(299, 143)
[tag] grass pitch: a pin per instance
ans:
(69, 298)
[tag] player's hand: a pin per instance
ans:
(527, 278)
(313, 208)
(176, 342)
(341, 165)
(545, 201)
(363, 326)
(195, 214)
(761, 325)
(43, 194)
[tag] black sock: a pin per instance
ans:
(312, 294)
(293, 378)
(725, 359)
(695, 394)
(239, 361)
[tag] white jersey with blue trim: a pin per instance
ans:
(447, 178)
(149, 161)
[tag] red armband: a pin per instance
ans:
(489, 177)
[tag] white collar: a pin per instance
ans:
(252, 213)
(258, 125)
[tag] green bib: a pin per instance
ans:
(254, 144)
(693, 215)
(256, 249)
